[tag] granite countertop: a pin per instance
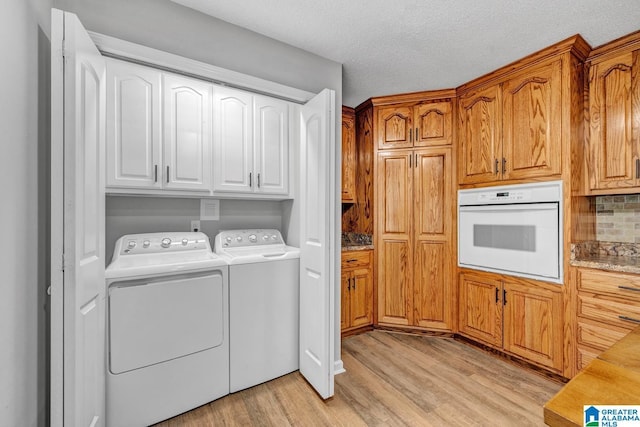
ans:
(356, 242)
(610, 256)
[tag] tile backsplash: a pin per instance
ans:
(618, 218)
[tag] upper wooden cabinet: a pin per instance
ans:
(427, 123)
(349, 155)
(519, 123)
(512, 130)
(614, 116)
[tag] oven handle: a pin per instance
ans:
(510, 207)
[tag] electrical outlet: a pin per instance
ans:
(195, 225)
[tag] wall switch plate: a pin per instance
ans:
(195, 225)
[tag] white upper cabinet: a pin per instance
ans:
(251, 144)
(133, 125)
(187, 133)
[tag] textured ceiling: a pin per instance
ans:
(388, 47)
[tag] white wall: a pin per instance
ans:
(24, 141)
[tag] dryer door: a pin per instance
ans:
(157, 320)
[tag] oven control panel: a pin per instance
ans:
(504, 196)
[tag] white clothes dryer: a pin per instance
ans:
(264, 278)
(167, 327)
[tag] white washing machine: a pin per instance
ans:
(264, 277)
(167, 327)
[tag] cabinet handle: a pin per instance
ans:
(410, 135)
(155, 173)
(629, 319)
(352, 260)
(496, 166)
(167, 174)
(258, 180)
(353, 286)
(628, 288)
(504, 165)
(504, 297)
(417, 134)
(349, 284)
(497, 294)
(637, 168)
(410, 161)
(250, 180)
(416, 162)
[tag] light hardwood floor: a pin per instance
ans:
(392, 379)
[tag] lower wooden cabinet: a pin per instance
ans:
(522, 317)
(357, 290)
(608, 309)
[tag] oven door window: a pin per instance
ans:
(518, 239)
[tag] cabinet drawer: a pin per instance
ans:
(353, 259)
(617, 312)
(616, 284)
(599, 336)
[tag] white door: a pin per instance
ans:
(317, 241)
(78, 221)
(271, 145)
(233, 141)
(133, 125)
(187, 133)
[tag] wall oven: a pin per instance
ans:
(514, 229)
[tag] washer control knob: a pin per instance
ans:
(184, 242)
(274, 237)
(239, 238)
(253, 238)
(146, 244)
(131, 244)
(166, 242)
(265, 237)
(228, 239)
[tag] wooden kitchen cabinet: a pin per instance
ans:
(349, 155)
(423, 124)
(512, 130)
(414, 238)
(357, 290)
(519, 316)
(608, 309)
(614, 116)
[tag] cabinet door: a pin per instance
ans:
(233, 141)
(187, 133)
(133, 125)
(532, 123)
(480, 136)
(345, 280)
(611, 119)
(480, 310)
(433, 124)
(533, 323)
(395, 253)
(271, 145)
(361, 298)
(394, 127)
(433, 217)
(349, 160)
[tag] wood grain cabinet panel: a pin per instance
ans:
(480, 311)
(532, 105)
(414, 238)
(357, 290)
(349, 155)
(533, 323)
(433, 124)
(614, 113)
(395, 127)
(480, 136)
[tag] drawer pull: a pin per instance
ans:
(628, 288)
(629, 319)
(352, 260)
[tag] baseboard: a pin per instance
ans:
(338, 367)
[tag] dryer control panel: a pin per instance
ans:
(248, 238)
(132, 244)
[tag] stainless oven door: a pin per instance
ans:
(520, 239)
